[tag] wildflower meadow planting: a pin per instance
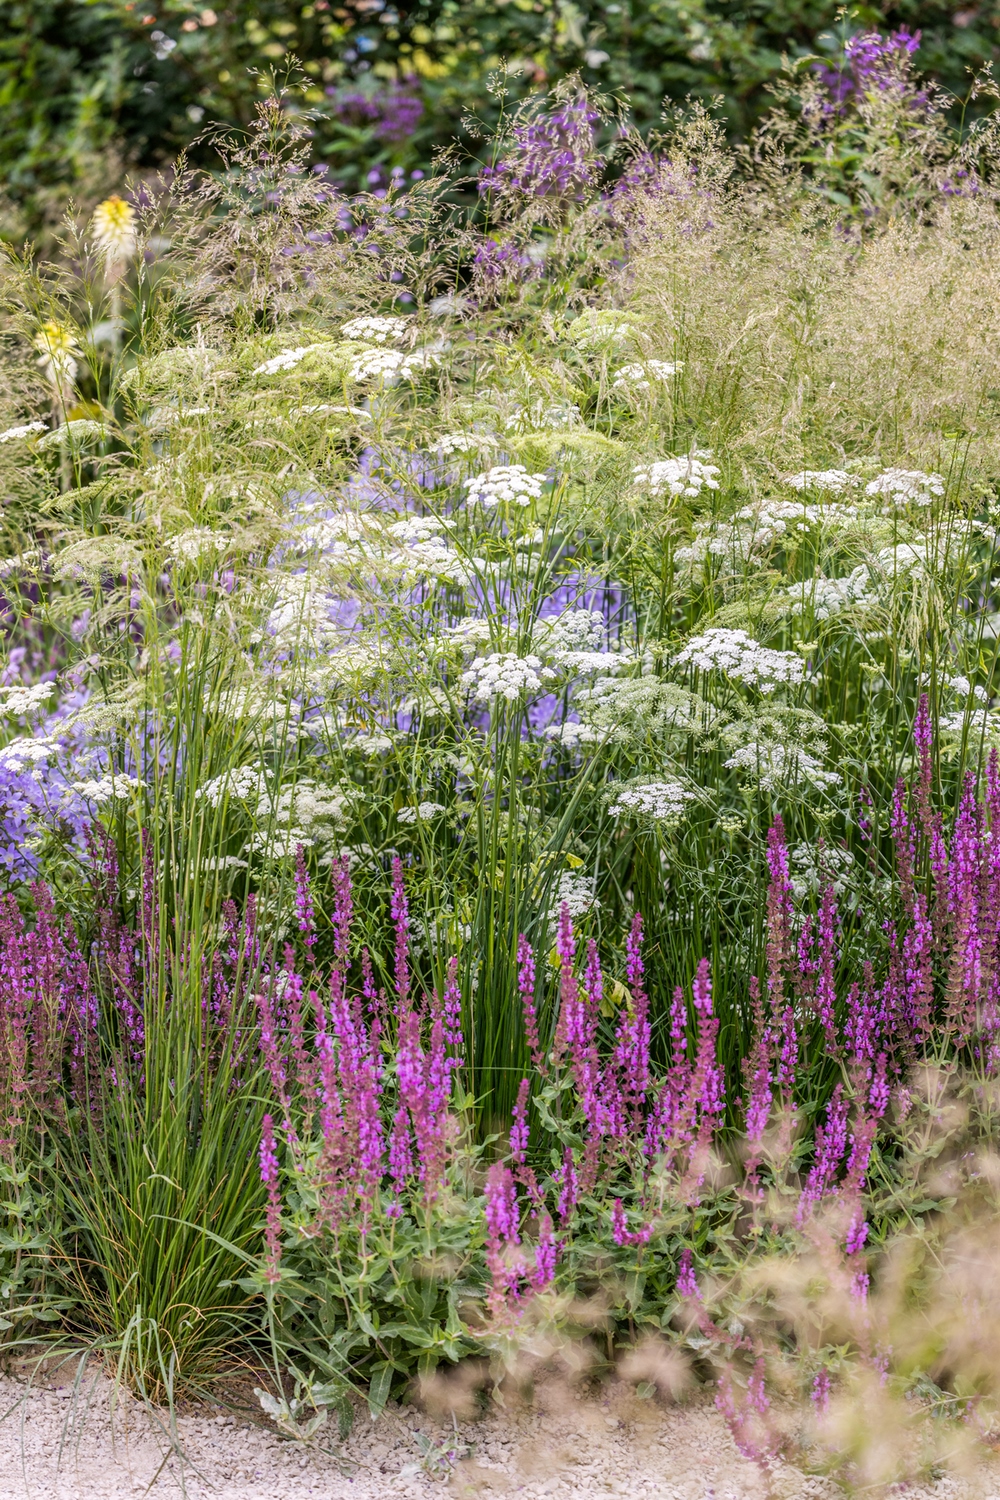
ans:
(500, 773)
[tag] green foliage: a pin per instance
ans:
(87, 85)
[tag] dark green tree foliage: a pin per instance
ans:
(89, 85)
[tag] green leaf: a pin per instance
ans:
(379, 1387)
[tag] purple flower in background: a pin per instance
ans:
(393, 112)
(831, 1144)
(687, 1281)
(502, 1216)
(546, 1256)
(526, 989)
(872, 63)
(551, 156)
(496, 259)
(519, 1129)
(820, 1393)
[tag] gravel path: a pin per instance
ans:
(57, 1446)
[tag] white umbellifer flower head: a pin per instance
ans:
(593, 329)
(389, 365)
(462, 442)
(200, 541)
(832, 480)
(662, 801)
(772, 765)
(416, 528)
(21, 699)
(301, 616)
(242, 784)
(576, 892)
(110, 788)
(79, 430)
(575, 630)
(218, 864)
(741, 657)
(507, 483)
(964, 687)
(641, 377)
(544, 416)
(907, 486)
(825, 597)
(422, 813)
(20, 561)
(286, 361)
(503, 674)
(676, 476)
(57, 351)
(26, 751)
(113, 226)
(27, 430)
(571, 734)
(906, 557)
(375, 330)
(977, 724)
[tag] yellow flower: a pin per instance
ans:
(57, 349)
(114, 228)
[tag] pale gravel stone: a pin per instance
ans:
(675, 1453)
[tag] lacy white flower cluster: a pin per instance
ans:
(641, 377)
(592, 329)
(110, 788)
(462, 442)
(741, 657)
(813, 867)
(189, 546)
(576, 892)
(907, 486)
(79, 430)
(27, 751)
(754, 528)
(375, 330)
(243, 784)
(571, 734)
(825, 597)
(21, 560)
(421, 549)
(662, 801)
(964, 687)
(26, 430)
(422, 813)
(772, 765)
(387, 365)
(286, 361)
(304, 814)
(977, 724)
(544, 417)
(975, 720)
(301, 616)
(503, 674)
(676, 476)
(506, 483)
(19, 698)
(316, 527)
(575, 630)
(907, 558)
(834, 480)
